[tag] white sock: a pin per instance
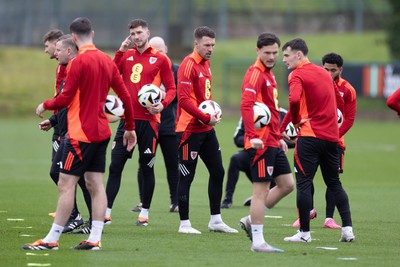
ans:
(216, 218)
(54, 234)
(144, 213)
(108, 212)
(257, 230)
(97, 230)
(185, 223)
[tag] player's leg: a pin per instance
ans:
(262, 174)
(306, 160)
(329, 170)
(210, 153)
(233, 177)
(147, 145)
(330, 198)
(283, 179)
(188, 156)
(94, 159)
(119, 156)
(169, 149)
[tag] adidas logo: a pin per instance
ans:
(268, 83)
(130, 58)
(201, 75)
(148, 151)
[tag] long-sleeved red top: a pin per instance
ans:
(350, 108)
(89, 78)
(259, 85)
(194, 87)
(138, 69)
(314, 95)
(393, 101)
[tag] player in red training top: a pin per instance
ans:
(333, 63)
(314, 99)
(88, 133)
(265, 146)
(139, 66)
(196, 133)
(393, 101)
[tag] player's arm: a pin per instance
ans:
(339, 98)
(295, 90)
(249, 95)
(393, 101)
(122, 92)
(119, 54)
(350, 110)
(71, 86)
(185, 88)
(238, 136)
(168, 81)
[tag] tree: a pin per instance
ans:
(393, 27)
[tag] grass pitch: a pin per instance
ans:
(371, 181)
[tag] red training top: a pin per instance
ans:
(393, 101)
(314, 95)
(140, 69)
(88, 81)
(259, 85)
(194, 87)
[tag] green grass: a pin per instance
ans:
(371, 181)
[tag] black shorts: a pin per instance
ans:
(272, 163)
(147, 136)
(312, 152)
(80, 157)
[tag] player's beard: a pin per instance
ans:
(141, 44)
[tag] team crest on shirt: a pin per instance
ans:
(193, 154)
(270, 170)
(152, 60)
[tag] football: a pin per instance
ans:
(149, 94)
(291, 131)
(339, 117)
(210, 107)
(262, 115)
(113, 108)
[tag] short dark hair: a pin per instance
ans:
(67, 41)
(297, 44)
(81, 26)
(202, 31)
(138, 22)
(333, 58)
(266, 39)
(52, 35)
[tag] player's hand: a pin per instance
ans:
(39, 110)
(45, 125)
(285, 136)
(125, 44)
(284, 146)
(156, 108)
(129, 140)
(297, 126)
(214, 119)
(256, 143)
